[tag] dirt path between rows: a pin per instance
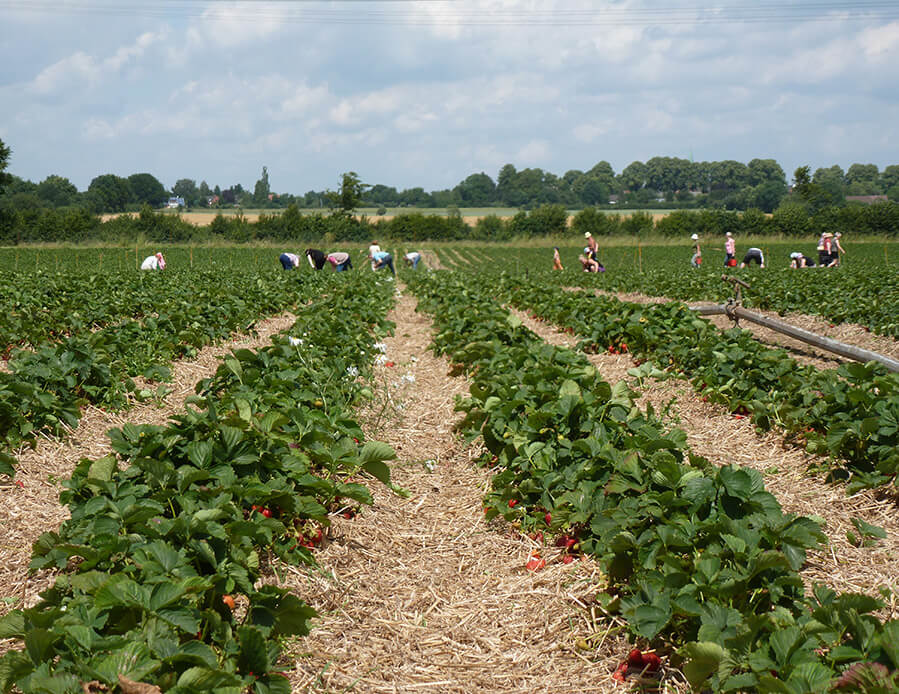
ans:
(850, 333)
(418, 593)
(717, 435)
(30, 506)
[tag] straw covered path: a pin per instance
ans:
(724, 439)
(418, 593)
(30, 506)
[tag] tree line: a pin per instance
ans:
(668, 182)
(55, 211)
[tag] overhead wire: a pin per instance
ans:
(362, 12)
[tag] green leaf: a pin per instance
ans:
(253, 654)
(868, 530)
(202, 679)
(181, 618)
(7, 463)
(703, 658)
(12, 625)
(810, 677)
(889, 641)
(102, 468)
(200, 453)
(39, 645)
(376, 451)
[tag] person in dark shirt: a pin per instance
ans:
(316, 258)
(798, 260)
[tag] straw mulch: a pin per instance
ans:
(30, 506)
(418, 593)
(725, 439)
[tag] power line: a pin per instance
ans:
(361, 12)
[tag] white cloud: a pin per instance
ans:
(80, 68)
(235, 23)
(533, 153)
(880, 43)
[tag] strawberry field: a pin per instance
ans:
(206, 553)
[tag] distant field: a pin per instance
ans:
(470, 214)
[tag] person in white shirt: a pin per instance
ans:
(372, 249)
(153, 262)
(289, 260)
(412, 258)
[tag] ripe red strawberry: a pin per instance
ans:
(512, 503)
(651, 662)
(548, 518)
(266, 512)
(535, 562)
(635, 658)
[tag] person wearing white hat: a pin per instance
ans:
(825, 250)
(696, 260)
(838, 247)
(730, 250)
(592, 245)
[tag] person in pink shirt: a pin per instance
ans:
(730, 250)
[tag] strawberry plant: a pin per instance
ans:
(700, 560)
(165, 535)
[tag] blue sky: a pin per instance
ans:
(423, 93)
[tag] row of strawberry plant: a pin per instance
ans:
(46, 388)
(864, 290)
(42, 307)
(701, 560)
(851, 413)
(166, 556)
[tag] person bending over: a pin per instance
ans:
(341, 261)
(753, 255)
(381, 259)
(289, 261)
(316, 258)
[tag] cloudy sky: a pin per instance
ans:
(423, 93)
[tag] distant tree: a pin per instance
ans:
(146, 188)
(381, 194)
(57, 191)
(349, 196)
(590, 190)
(812, 195)
(205, 193)
(187, 188)
(5, 153)
(605, 174)
(415, 197)
(767, 196)
(505, 186)
(477, 190)
(108, 193)
(889, 179)
(863, 179)
(760, 171)
(262, 189)
(633, 177)
(832, 181)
